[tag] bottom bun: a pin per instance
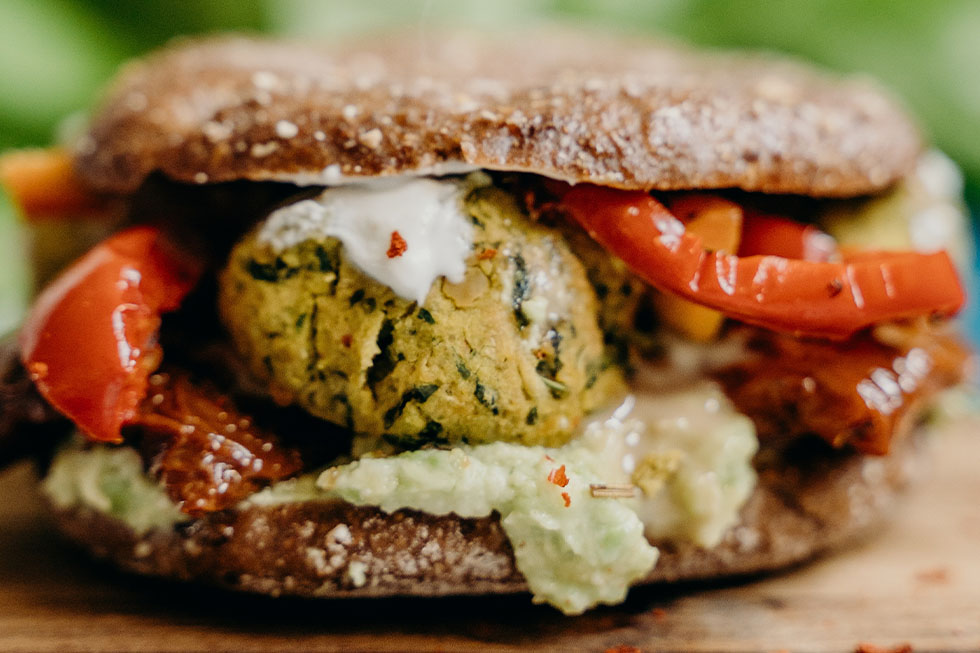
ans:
(335, 549)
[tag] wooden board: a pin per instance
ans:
(916, 582)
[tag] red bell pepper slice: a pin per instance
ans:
(771, 235)
(814, 298)
(90, 340)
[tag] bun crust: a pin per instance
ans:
(602, 110)
(336, 549)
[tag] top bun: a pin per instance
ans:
(595, 109)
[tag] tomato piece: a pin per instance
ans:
(816, 298)
(860, 392)
(209, 454)
(90, 340)
(43, 184)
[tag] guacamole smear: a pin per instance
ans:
(686, 453)
(689, 454)
(110, 480)
(574, 550)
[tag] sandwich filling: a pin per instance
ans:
(462, 345)
(685, 455)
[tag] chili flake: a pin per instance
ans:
(486, 254)
(835, 287)
(346, 340)
(558, 477)
(397, 246)
(568, 499)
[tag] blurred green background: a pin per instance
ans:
(56, 54)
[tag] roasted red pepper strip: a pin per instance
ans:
(90, 340)
(770, 235)
(802, 297)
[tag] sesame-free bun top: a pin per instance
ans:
(574, 107)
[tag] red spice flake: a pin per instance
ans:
(871, 648)
(937, 576)
(487, 253)
(568, 499)
(835, 287)
(659, 614)
(346, 340)
(557, 476)
(397, 246)
(623, 648)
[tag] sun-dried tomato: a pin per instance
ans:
(209, 455)
(853, 393)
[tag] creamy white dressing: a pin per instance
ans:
(423, 216)
(333, 174)
(689, 452)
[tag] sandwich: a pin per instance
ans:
(475, 315)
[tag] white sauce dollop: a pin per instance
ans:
(705, 448)
(426, 213)
(333, 174)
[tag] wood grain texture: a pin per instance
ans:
(917, 582)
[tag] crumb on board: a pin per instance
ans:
(933, 576)
(864, 647)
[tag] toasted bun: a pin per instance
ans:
(617, 113)
(307, 549)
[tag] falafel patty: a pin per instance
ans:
(512, 352)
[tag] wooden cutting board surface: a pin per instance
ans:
(916, 582)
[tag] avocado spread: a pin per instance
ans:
(110, 480)
(576, 550)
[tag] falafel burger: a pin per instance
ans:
(558, 315)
